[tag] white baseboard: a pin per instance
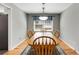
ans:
(70, 46)
(17, 45)
(77, 51)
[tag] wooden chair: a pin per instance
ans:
(43, 47)
(57, 34)
(30, 34)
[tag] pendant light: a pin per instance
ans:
(43, 17)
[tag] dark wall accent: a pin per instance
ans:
(3, 32)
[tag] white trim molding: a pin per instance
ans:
(71, 47)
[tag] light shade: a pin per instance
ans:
(43, 18)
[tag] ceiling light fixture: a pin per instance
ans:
(43, 17)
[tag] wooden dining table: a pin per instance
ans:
(42, 43)
(38, 34)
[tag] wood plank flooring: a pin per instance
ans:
(18, 50)
(65, 47)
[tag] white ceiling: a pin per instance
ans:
(37, 7)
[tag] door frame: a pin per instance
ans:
(9, 10)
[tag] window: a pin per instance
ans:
(43, 25)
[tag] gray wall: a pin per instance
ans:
(56, 21)
(69, 26)
(17, 26)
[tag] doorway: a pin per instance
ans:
(3, 32)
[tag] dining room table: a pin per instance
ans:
(38, 34)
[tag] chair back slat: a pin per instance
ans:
(44, 48)
(30, 34)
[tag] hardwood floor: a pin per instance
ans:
(2, 52)
(66, 48)
(19, 49)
